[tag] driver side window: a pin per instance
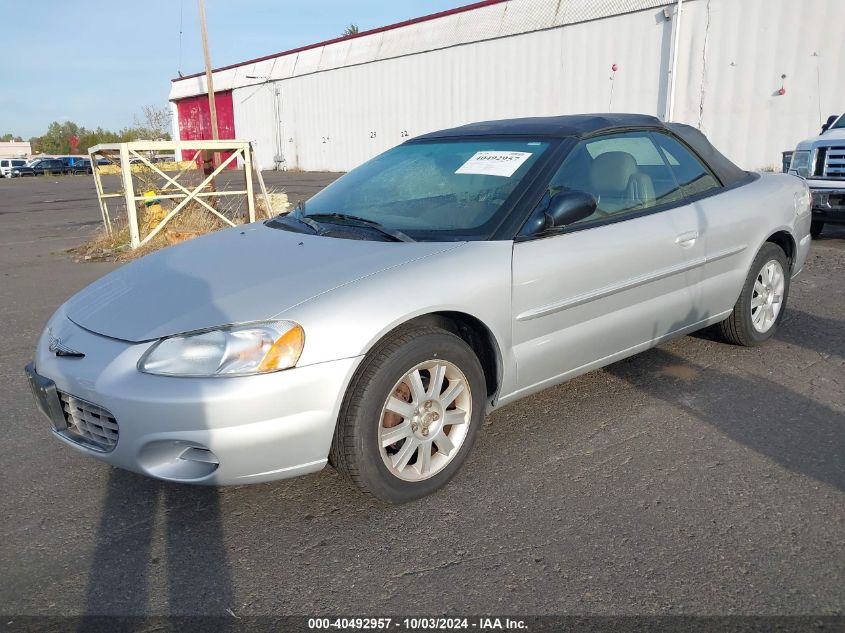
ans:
(625, 173)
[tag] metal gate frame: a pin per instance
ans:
(125, 152)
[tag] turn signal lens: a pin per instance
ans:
(285, 351)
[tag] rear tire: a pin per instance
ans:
(393, 397)
(816, 227)
(762, 303)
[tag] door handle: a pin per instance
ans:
(685, 240)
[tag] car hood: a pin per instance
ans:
(823, 139)
(248, 273)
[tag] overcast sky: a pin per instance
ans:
(97, 62)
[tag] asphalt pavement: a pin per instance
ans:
(696, 478)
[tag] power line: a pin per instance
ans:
(179, 65)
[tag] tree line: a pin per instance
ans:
(153, 124)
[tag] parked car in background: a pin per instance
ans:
(47, 166)
(7, 164)
(81, 166)
(18, 171)
(821, 161)
(376, 326)
(70, 161)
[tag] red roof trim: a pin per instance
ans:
(381, 29)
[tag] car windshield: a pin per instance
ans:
(429, 190)
(839, 123)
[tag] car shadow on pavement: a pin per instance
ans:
(128, 559)
(820, 334)
(794, 431)
(154, 534)
(801, 329)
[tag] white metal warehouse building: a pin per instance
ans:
(332, 105)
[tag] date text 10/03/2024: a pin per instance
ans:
(418, 624)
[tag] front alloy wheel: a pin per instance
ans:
(425, 420)
(410, 415)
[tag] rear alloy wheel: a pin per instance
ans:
(760, 306)
(410, 415)
(767, 296)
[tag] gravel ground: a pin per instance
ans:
(696, 478)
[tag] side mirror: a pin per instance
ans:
(830, 121)
(568, 207)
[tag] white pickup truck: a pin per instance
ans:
(821, 161)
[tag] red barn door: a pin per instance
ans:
(195, 120)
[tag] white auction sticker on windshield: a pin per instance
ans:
(493, 163)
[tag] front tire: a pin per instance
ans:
(816, 227)
(762, 303)
(410, 415)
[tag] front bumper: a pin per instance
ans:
(828, 202)
(217, 431)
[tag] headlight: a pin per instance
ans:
(238, 350)
(800, 164)
(803, 201)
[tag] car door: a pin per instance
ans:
(724, 223)
(613, 283)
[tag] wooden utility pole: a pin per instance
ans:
(209, 80)
(209, 159)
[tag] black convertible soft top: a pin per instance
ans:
(727, 172)
(585, 125)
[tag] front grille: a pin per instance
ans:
(834, 162)
(89, 424)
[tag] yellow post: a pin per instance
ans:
(155, 212)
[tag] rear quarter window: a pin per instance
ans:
(693, 175)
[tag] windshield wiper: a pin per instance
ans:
(284, 219)
(311, 224)
(399, 236)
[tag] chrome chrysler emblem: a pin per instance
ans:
(60, 349)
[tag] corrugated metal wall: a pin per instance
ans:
(730, 91)
(332, 107)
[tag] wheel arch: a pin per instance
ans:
(782, 238)
(478, 336)
(472, 330)
(785, 240)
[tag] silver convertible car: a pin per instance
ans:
(376, 325)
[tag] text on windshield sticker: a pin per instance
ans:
(493, 163)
